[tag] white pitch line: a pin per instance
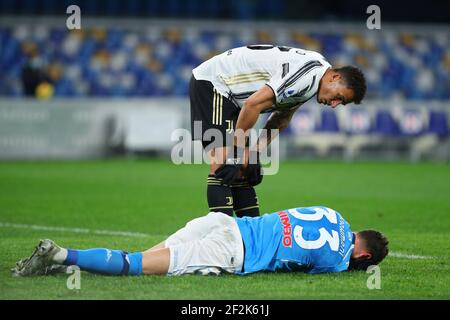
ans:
(142, 235)
(407, 256)
(73, 230)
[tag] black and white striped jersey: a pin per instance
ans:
(292, 73)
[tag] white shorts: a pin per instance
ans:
(207, 245)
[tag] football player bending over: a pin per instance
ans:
(229, 92)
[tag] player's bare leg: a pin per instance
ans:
(156, 261)
(160, 245)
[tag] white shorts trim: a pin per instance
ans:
(207, 245)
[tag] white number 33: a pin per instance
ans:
(325, 236)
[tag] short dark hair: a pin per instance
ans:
(377, 245)
(355, 80)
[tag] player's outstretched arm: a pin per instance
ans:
(278, 120)
(259, 101)
(237, 157)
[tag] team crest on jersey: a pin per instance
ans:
(287, 229)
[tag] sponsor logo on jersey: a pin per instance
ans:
(287, 229)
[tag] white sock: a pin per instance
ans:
(61, 256)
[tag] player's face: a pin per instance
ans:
(333, 92)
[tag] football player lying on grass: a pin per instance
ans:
(307, 239)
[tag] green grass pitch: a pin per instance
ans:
(410, 203)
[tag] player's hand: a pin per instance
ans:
(254, 171)
(231, 170)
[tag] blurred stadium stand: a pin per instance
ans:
(407, 67)
(157, 59)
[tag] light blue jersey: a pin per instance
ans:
(310, 239)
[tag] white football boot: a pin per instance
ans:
(40, 262)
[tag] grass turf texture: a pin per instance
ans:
(409, 203)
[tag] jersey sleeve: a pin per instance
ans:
(294, 81)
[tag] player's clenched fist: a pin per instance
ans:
(240, 161)
(231, 170)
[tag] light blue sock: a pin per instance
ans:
(106, 261)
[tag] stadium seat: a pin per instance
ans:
(438, 124)
(412, 126)
(385, 124)
(329, 122)
(428, 143)
(412, 122)
(387, 133)
(358, 125)
(318, 131)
